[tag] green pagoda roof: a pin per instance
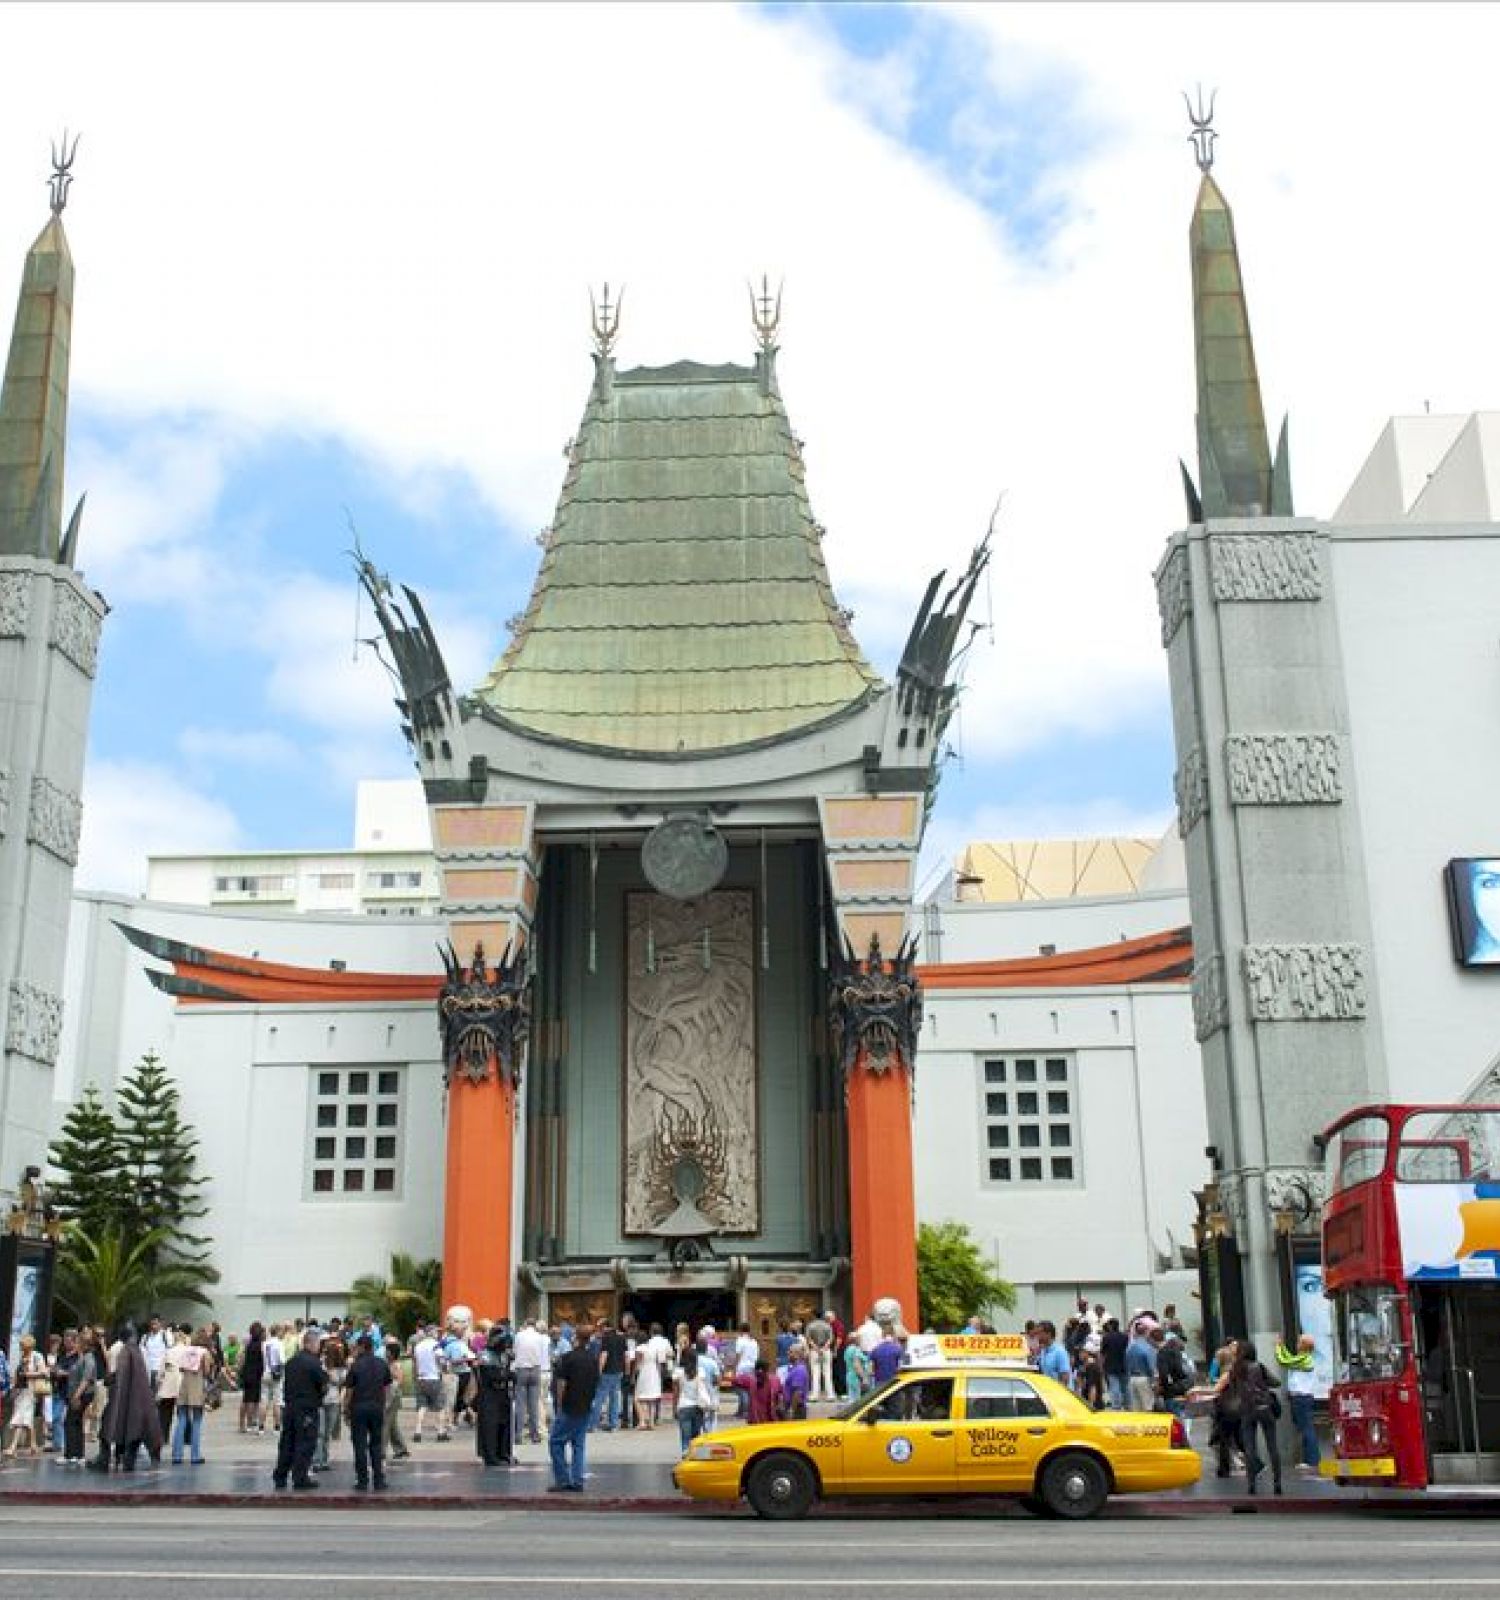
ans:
(682, 605)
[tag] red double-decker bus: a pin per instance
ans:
(1411, 1262)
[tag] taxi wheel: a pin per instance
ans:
(780, 1487)
(1074, 1485)
(1036, 1508)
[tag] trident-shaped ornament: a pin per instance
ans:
(765, 311)
(1202, 137)
(606, 321)
(62, 175)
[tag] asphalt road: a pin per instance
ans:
(87, 1554)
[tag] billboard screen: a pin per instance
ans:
(1474, 908)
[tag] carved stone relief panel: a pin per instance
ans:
(33, 1023)
(75, 629)
(1190, 785)
(54, 820)
(1265, 566)
(1305, 982)
(690, 1079)
(1299, 1192)
(1210, 997)
(1283, 769)
(1174, 594)
(4, 800)
(15, 604)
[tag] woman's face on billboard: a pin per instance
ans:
(1484, 890)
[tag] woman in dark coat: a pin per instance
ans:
(497, 1385)
(252, 1373)
(1259, 1408)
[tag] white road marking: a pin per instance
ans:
(606, 1580)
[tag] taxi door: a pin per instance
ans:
(902, 1442)
(1004, 1429)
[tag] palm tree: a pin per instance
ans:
(106, 1279)
(400, 1302)
(403, 1301)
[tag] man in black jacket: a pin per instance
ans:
(1112, 1346)
(303, 1385)
(497, 1388)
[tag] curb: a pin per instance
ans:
(1132, 1508)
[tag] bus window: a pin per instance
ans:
(1449, 1147)
(1356, 1153)
(1367, 1324)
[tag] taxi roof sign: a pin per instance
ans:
(957, 1349)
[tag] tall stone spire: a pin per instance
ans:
(34, 399)
(1237, 476)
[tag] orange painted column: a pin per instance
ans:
(477, 1194)
(882, 1190)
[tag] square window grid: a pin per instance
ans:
(345, 1159)
(1038, 1122)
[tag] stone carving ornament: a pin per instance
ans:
(485, 1014)
(690, 1089)
(4, 801)
(1210, 997)
(15, 604)
(75, 629)
(875, 1007)
(1190, 784)
(33, 1023)
(1305, 982)
(55, 819)
(1174, 595)
(1231, 1187)
(1265, 566)
(1283, 769)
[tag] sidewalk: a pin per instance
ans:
(627, 1471)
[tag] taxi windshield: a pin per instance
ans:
(852, 1408)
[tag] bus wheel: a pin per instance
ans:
(1073, 1485)
(781, 1486)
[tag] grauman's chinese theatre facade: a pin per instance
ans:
(677, 827)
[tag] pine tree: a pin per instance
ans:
(90, 1189)
(158, 1155)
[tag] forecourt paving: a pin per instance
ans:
(88, 1553)
(627, 1470)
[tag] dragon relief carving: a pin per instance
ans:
(54, 820)
(875, 1007)
(1190, 786)
(691, 1102)
(33, 1023)
(1174, 593)
(1283, 769)
(485, 1013)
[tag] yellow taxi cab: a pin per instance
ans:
(951, 1427)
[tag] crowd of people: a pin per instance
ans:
(1145, 1366)
(136, 1392)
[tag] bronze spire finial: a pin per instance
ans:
(765, 311)
(606, 321)
(1202, 137)
(62, 173)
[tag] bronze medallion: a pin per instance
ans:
(684, 857)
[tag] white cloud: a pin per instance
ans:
(132, 810)
(240, 747)
(383, 234)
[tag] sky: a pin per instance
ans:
(333, 267)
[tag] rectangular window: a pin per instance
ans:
(1029, 1134)
(344, 1159)
(335, 880)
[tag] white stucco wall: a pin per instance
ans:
(1420, 637)
(246, 1074)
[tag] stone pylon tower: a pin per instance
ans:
(49, 638)
(1283, 977)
